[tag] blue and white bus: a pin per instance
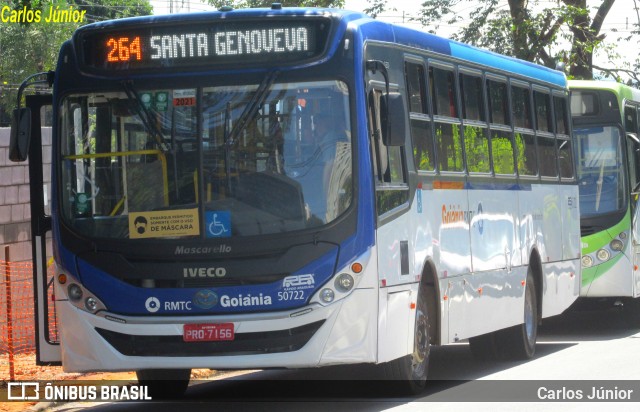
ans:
(294, 187)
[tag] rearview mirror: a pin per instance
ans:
(20, 135)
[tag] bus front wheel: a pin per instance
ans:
(164, 383)
(410, 372)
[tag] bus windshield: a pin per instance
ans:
(600, 170)
(210, 162)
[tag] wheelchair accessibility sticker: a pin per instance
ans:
(218, 224)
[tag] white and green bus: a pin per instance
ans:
(606, 124)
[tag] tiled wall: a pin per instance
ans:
(15, 214)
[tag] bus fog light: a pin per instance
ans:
(75, 292)
(616, 245)
(603, 254)
(344, 282)
(587, 261)
(327, 295)
(91, 304)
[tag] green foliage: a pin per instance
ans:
(30, 47)
(243, 4)
(476, 145)
(376, 7)
(533, 30)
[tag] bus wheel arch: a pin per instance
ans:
(519, 342)
(409, 373)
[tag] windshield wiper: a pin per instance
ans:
(253, 106)
(599, 184)
(248, 114)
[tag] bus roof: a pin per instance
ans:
(369, 29)
(622, 91)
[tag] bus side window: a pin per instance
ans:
(476, 134)
(421, 136)
(631, 127)
(447, 125)
(524, 135)
(565, 151)
(501, 139)
(378, 149)
(389, 162)
(547, 147)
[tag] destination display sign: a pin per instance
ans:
(275, 42)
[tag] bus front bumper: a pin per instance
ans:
(343, 332)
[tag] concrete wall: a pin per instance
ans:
(15, 212)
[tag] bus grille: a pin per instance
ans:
(209, 282)
(253, 343)
(588, 230)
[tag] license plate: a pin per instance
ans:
(208, 332)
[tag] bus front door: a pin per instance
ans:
(47, 347)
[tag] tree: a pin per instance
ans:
(242, 4)
(630, 68)
(531, 30)
(28, 47)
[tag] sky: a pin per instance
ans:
(620, 18)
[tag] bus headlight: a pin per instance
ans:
(327, 295)
(616, 245)
(91, 304)
(587, 261)
(344, 282)
(82, 298)
(603, 255)
(75, 292)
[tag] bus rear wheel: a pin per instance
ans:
(519, 342)
(409, 373)
(164, 383)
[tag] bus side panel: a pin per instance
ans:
(569, 280)
(484, 302)
(550, 226)
(562, 286)
(495, 285)
(495, 242)
(395, 314)
(396, 321)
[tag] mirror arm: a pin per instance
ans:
(50, 75)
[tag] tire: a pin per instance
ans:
(409, 373)
(164, 383)
(519, 342)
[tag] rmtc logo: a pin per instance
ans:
(204, 272)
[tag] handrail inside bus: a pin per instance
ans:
(153, 152)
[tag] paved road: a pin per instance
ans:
(576, 351)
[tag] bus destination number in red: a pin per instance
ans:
(205, 332)
(184, 101)
(123, 49)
